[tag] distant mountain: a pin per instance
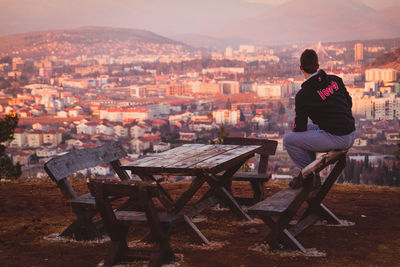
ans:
(204, 41)
(305, 21)
(86, 40)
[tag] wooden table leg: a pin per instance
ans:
(188, 194)
(218, 188)
(164, 197)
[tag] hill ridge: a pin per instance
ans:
(87, 39)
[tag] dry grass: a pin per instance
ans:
(33, 209)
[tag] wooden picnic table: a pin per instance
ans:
(203, 162)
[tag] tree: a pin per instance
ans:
(228, 104)
(253, 109)
(242, 117)
(222, 133)
(281, 109)
(7, 169)
(366, 163)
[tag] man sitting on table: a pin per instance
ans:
(324, 99)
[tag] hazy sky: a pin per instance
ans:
(371, 3)
(165, 17)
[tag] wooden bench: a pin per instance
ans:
(259, 178)
(117, 222)
(278, 210)
(59, 168)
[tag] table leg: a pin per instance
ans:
(218, 188)
(164, 198)
(188, 194)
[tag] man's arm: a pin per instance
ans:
(300, 121)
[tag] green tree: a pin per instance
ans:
(7, 169)
(222, 133)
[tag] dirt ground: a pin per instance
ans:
(33, 210)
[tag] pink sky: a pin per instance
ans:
(165, 17)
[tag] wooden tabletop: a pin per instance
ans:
(192, 158)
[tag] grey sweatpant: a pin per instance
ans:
(301, 146)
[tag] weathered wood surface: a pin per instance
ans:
(86, 199)
(220, 162)
(208, 152)
(174, 154)
(268, 146)
(251, 176)
(190, 159)
(322, 161)
(277, 203)
(63, 166)
(137, 216)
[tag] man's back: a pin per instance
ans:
(325, 100)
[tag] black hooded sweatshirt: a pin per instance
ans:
(325, 100)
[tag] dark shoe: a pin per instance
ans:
(297, 182)
(313, 180)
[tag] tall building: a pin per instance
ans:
(358, 52)
(229, 51)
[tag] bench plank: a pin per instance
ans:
(251, 176)
(63, 166)
(277, 203)
(137, 216)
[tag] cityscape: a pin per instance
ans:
(153, 94)
(183, 133)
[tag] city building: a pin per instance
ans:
(228, 51)
(121, 114)
(246, 48)
(376, 75)
(226, 116)
(35, 138)
(229, 87)
(20, 138)
(52, 137)
(358, 52)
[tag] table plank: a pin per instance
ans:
(235, 154)
(155, 159)
(208, 153)
(190, 159)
